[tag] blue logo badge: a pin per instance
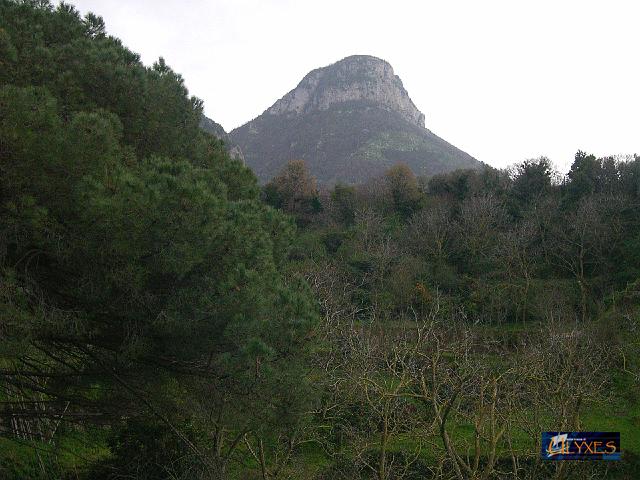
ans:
(580, 446)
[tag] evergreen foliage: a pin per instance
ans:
(139, 268)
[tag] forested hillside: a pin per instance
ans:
(164, 317)
(466, 313)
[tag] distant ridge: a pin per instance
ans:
(349, 121)
(216, 130)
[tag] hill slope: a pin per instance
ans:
(217, 131)
(350, 121)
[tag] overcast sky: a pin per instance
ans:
(504, 80)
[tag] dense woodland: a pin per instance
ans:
(162, 316)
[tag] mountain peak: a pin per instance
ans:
(349, 121)
(358, 78)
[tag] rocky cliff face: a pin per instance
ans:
(349, 121)
(356, 78)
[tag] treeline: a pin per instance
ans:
(162, 316)
(503, 244)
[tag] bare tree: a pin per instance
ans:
(459, 388)
(518, 253)
(480, 220)
(579, 243)
(431, 231)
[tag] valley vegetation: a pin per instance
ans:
(163, 316)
